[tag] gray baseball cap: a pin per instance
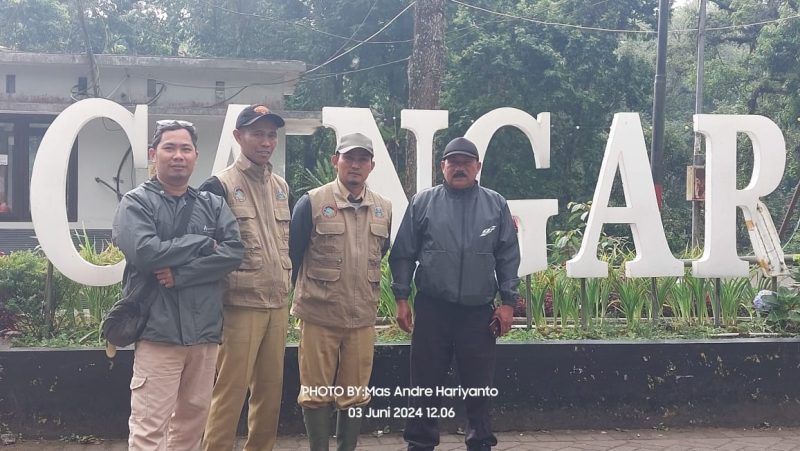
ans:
(355, 141)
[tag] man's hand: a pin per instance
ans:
(165, 277)
(505, 313)
(404, 319)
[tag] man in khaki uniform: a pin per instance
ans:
(339, 234)
(255, 302)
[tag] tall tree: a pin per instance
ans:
(425, 72)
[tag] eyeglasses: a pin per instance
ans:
(173, 123)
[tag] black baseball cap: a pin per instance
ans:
(252, 113)
(461, 146)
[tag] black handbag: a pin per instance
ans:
(125, 321)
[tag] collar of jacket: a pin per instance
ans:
(341, 192)
(251, 169)
(155, 186)
(464, 192)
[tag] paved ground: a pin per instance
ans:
(641, 440)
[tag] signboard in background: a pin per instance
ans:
(625, 154)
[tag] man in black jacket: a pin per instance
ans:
(464, 239)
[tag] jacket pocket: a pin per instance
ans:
(479, 281)
(138, 397)
(253, 258)
(330, 228)
(379, 233)
(374, 270)
(248, 228)
(437, 274)
(327, 242)
(378, 229)
(282, 217)
(324, 274)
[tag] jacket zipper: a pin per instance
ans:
(177, 295)
(461, 256)
(357, 259)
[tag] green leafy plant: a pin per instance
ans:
(537, 296)
(632, 299)
(733, 294)
(22, 283)
(322, 173)
(597, 294)
(387, 306)
(783, 307)
(701, 290)
(566, 294)
(665, 289)
(85, 306)
(681, 301)
(566, 242)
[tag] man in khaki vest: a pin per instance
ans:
(255, 302)
(339, 233)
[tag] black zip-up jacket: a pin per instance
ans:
(466, 245)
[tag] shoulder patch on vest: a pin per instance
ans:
(378, 212)
(238, 194)
(280, 195)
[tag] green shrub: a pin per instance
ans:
(22, 281)
(76, 311)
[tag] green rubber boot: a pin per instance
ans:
(318, 427)
(347, 430)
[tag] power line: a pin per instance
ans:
(299, 24)
(330, 60)
(358, 28)
(612, 30)
(543, 22)
(390, 22)
(320, 77)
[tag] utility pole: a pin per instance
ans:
(89, 52)
(660, 92)
(659, 103)
(697, 157)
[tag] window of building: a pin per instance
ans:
(20, 136)
(11, 84)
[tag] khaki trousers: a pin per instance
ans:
(170, 394)
(251, 357)
(334, 356)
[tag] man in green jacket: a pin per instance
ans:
(174, 360)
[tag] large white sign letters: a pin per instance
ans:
(49, 181)
(625, 153)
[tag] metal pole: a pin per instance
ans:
(697, 158)
(660, 93)
(656, 302)
(584, 305)
(789, 210)
(529, 303)
(50, 307)
(717, 302)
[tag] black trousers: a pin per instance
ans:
(442, 330)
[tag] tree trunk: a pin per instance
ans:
(425, 72)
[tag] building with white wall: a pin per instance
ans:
(37, 87)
